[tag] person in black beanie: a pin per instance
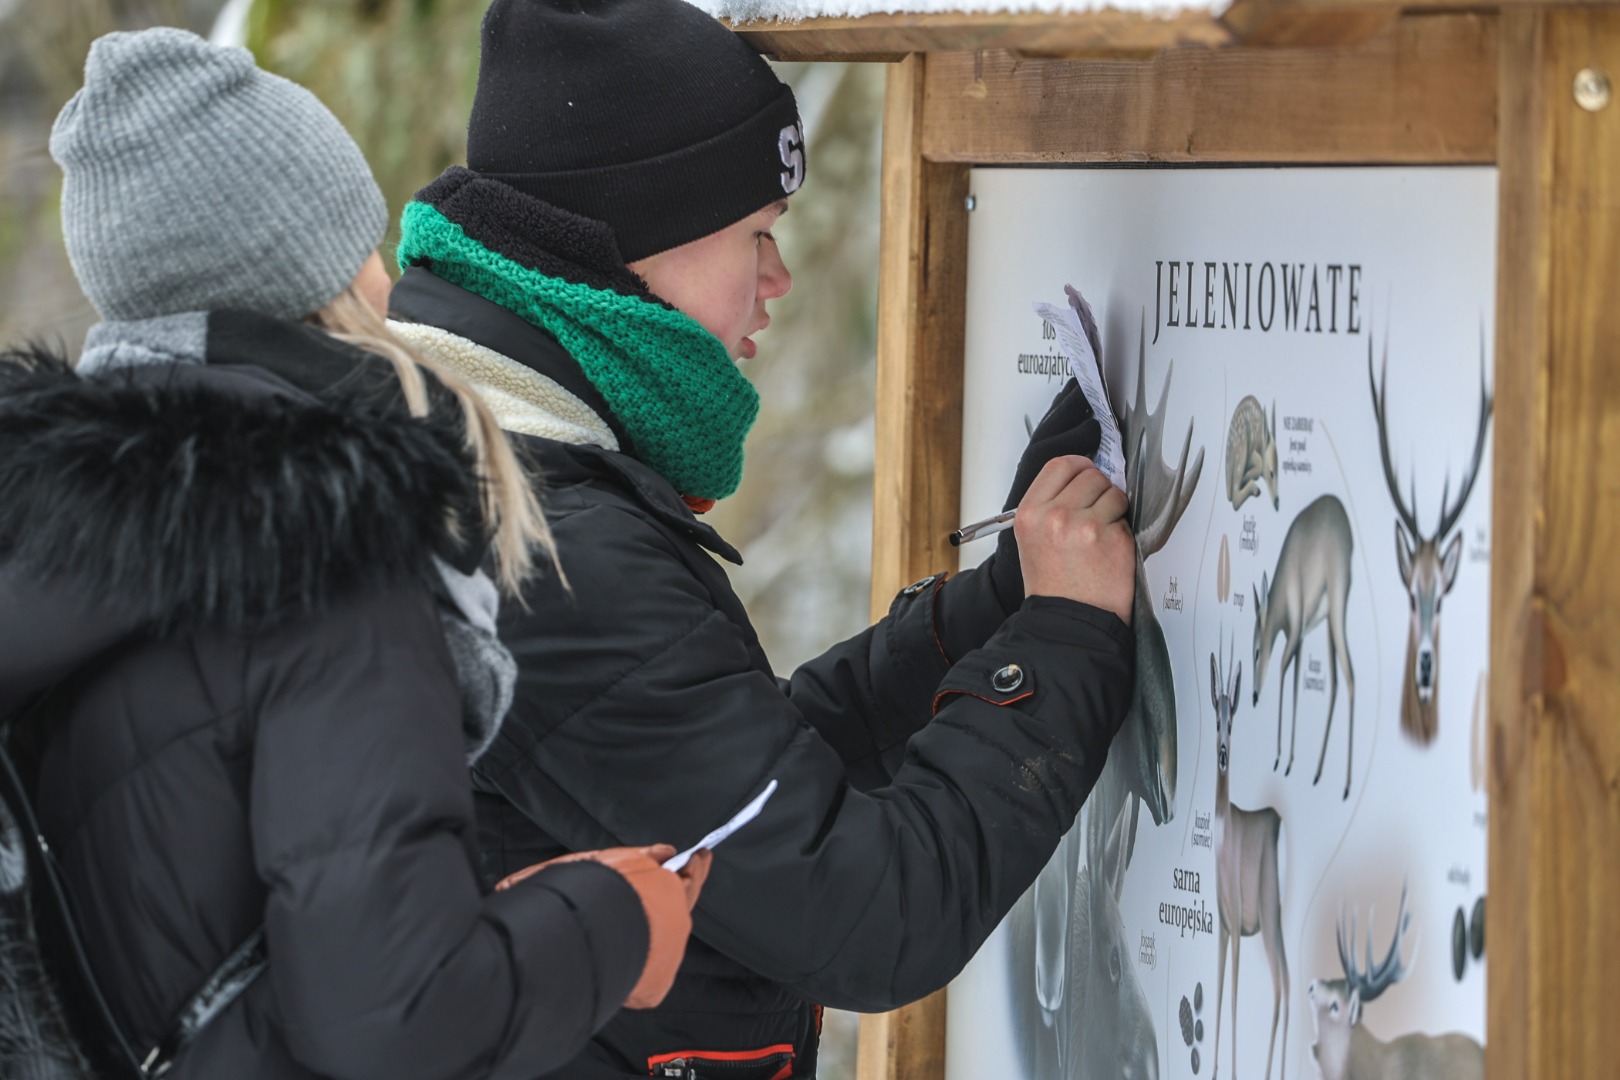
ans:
(596, 271)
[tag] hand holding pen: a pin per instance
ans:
(1073, 538)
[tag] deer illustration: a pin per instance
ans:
(1312, 583)
(1145, 747)
(1090, 1017)
(1428, 562)
(1251, 452)
(1346, 1050)
(1246, 885)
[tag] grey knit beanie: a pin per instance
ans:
(193, 181)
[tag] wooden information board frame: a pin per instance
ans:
(1523, 87)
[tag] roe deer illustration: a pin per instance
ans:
(1428, 563)
(1145, 748)
(1312, 583)
(1251, 452)
(1247, 891)
(1346, 1050)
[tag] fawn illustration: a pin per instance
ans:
(1251, 452)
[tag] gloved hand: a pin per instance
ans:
(667, 898)
(1069, 427)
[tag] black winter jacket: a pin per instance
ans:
(221, 577)
(917, 799)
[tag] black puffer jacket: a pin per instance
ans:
(917, 799)
(221, 577)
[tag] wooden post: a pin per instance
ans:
(918, 471)
(921, 293)
(1553, 942)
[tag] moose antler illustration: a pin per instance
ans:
(1144, 751)
(1159, 494)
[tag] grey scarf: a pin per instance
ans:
(484, 667)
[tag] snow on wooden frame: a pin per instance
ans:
(744, 11)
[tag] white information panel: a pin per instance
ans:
(1282, 870)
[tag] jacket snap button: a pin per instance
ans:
(1007, 679)
(918, 586)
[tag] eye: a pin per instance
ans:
(765, 234)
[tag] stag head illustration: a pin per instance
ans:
(1336, 1004)
(1146, 744)
(1428, 561)
(1346, 1050)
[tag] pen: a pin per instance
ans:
(987, 527)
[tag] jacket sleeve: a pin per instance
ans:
(641, 718)
(869, 694)
(385, 959)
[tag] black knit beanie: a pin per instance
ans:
(644, 114)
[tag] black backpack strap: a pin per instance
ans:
(224, 986)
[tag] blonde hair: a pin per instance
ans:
(510, 507)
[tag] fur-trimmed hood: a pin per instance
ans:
(234, 493)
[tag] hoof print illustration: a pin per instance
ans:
(1192, 1026)
(1459, 944)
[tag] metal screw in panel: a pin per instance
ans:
(1592, 89)
(971, 202)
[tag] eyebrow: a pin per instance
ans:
(780, 206)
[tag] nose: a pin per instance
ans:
(774, 279)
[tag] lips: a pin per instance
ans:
(746, 347)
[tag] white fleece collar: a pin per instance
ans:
(523, 400)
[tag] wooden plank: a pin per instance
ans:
(891, 37)
(1422, 91)
(907, 1044)
(1555, 672)
(921, 293)
(917, 474)
(1328, 22)
(1106, 32)
(1288, 22)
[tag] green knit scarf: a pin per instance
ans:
(669, 381)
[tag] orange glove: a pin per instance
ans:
(667, 898)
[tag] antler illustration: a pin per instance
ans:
(1449, 511)
(1382, 975)
(1159, 494)
(1452, 511)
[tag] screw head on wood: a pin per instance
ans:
(1592, 89)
